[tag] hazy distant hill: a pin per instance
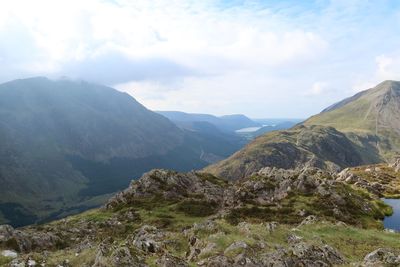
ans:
(64, 143)
(228, 123)
(362, 129)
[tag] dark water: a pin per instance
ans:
(393, 222)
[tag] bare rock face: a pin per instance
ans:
(171, 185)
(382, 257)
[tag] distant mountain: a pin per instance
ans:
(65, 145)
(363, 129)
(228, 123)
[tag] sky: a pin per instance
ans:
(260, 58)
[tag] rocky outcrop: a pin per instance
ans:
(25, 241)
(170, 185)
(149, 239)
(382, 180)
(274, 193)
(109, 254)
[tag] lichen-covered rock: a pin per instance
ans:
(26, 241)
(292, 238)
(382, 257)
(149, 239)
(6, 233)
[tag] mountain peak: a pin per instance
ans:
(387, 86)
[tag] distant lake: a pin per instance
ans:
(393, 222)
(251, 129)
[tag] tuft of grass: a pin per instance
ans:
(212, 179)
(197, 208)
(4, 261)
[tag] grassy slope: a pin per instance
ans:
(374, 113)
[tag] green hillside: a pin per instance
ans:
(375, 111)
(66, 145)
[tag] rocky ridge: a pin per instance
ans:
(274, 217)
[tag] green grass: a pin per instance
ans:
(197, 208)
(353, 242)
(167, 216)
(4, 261)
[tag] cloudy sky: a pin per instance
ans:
(260, 58)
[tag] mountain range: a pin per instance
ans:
(362, 129)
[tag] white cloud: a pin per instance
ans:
(206, 56)
(318, 88)
(386, 67)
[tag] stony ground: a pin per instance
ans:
(274, 217)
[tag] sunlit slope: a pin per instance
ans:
(372, 112)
